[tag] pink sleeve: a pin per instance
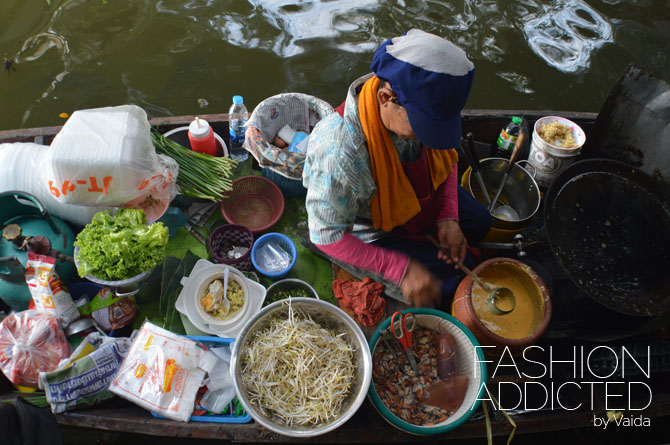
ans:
(449, 207)
(351, 250)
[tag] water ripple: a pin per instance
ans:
(566, 33)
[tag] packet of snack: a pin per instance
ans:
(48, 292)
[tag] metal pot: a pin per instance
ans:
(521, 192)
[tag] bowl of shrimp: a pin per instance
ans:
(440, 387)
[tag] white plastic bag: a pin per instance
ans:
(104, 156)
(22, 167)
(162, 372)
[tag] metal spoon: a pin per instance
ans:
(226, 301)
(224, 296)
(495, 295)
(504, 211)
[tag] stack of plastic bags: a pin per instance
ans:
(102, 158)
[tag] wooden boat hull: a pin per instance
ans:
(366, 425)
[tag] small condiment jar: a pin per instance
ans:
(201, 137)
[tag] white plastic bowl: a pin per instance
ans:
(201, 291)
(467, 365)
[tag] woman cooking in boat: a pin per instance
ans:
(374, 189)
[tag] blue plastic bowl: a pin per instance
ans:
(285, 242)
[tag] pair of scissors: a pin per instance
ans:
(402, 331)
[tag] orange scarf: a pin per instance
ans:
(395, 201)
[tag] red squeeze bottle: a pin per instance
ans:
(201, 137)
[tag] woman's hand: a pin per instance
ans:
(420, 287)
(451, 237)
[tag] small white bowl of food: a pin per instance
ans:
(222, 298)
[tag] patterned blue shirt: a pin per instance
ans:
(338, 177)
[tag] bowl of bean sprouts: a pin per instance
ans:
(301, 367)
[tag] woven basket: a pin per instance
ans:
(227, 236)
(254, 202)
(291, 188)
(301, 112)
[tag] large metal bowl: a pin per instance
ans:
(329, 316)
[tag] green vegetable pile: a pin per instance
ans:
(283, 294)
(200, 175)
(119, 247)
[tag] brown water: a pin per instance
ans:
(176, 57)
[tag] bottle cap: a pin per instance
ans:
(517, 120)
(238, 100)
(199, 128)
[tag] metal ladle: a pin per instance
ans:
(506, 212)
(495, 295)
(471, 155)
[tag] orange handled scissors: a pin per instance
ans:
(401, 329)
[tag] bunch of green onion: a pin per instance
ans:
(200, 175)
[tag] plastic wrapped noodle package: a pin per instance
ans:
(31, 342)
(162, 372)
(104, 156)
(22, 167)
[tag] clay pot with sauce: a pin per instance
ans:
(516, 330)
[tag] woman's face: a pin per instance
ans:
(394, 116)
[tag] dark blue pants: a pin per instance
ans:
(475, 221)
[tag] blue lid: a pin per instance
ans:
(238, 100)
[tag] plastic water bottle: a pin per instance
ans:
(507, 138)
(238, 116)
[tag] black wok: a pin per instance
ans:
(608, 225)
